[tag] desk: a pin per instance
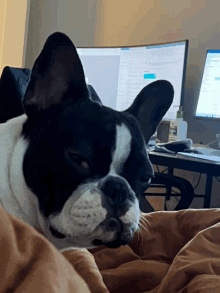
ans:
(190, 164)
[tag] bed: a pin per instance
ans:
(175, 252)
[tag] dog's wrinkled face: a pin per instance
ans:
(86, 164)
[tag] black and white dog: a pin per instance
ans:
(72, 167)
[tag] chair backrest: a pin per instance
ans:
(13, 84)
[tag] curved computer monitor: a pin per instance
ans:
(119, 73)
(208, 105)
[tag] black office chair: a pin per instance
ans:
(168, 182)
(13, 84)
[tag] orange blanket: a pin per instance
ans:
(180, 252)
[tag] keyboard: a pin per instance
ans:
(207, 154)
(208, 151)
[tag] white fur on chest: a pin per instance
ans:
(15, 196)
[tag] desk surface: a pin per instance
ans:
(185, 163)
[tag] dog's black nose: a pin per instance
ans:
(113, 224)
(116, 189)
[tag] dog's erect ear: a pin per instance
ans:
(150, 106)
(57, 76)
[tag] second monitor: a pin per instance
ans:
(208, 105)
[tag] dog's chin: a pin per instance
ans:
(65, 242)
(80, 241)
(62, 241)
(107, 233)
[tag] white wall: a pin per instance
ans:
(75, 18)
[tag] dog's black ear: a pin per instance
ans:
(150, 106)
(57, 76)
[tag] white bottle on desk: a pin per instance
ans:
(173, 131)
(181, 126)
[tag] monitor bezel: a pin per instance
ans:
(151, 45)
(201, 117)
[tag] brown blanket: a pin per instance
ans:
(180, 252)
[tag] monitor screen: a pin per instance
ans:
(119, 74)
(208, 105)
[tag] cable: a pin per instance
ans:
(197, 184)
(211, 142)
(198, 181)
